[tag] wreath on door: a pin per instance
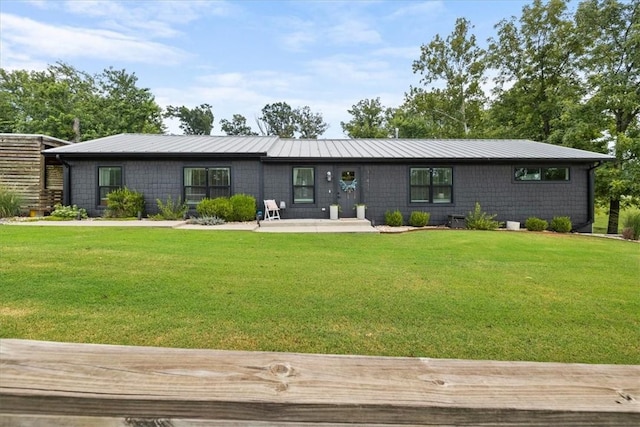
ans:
(348, 188)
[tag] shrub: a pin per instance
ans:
(479, 220)
(632, 222)
(68, 212)
(124, 203)
(244, 207)
(171, 210)
(419, 219)
(536, 224)
(207, 220)
(220, 207)
(393, 218)
(560, 224)
(9, 203)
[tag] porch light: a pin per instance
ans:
(329, 176)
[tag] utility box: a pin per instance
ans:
(456, 221)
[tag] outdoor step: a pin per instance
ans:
(343, 222)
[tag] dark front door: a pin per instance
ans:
(348, 191)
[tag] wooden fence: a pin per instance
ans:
(57, 384)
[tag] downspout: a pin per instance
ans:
(590, 196)
(66, 181)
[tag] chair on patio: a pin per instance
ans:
(271, 210)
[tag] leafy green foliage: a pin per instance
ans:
(393, 218)
(220, 207)
(632, 223)
(460, 64)
(536, 224)
(244, 207)
(50, 101)
(560, 224)
(170, 210)
(369, 120)
(69, 212)
(124, 203)
(419, 219)
(193, 121)
(9, 203)
(479, 220)
(282, 120)
(237, 126)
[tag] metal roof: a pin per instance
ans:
(175, 145)
(437, 149)
(272, 148)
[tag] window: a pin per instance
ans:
(431, 185)
(109, 179)
(303, 185)
(200, 183)
(541, 174)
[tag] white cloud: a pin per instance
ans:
(420, 10)
(353, 32)
(44, 41)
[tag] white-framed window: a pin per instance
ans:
(303, 185)
(109, 179)
(431, 185)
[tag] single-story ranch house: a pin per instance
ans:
(514, 179)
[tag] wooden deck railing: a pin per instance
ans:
(84, 384)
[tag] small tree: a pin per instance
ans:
(479, 220)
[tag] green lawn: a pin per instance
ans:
(446, 294)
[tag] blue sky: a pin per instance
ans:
(239, 56)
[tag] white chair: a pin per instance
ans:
(271, 210)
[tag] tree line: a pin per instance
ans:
(564, 77)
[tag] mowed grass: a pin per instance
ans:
(443, 294)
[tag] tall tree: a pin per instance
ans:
(46, 101)
(52, 101)
(369, 120)
(237, 126)
(124, 107)
(536, 57)
(193, 121)
(611, 31)
(309, 125)
(278, 119)
(459, 64)
(286, 122)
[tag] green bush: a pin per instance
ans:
(393, 218)
(244, 207)
(124, 203)
(9, 203)
(536, 224)
(632, 222)
(560, 224)
(220, 207)
(68, 212)
(171, 210)
(479, 220)
(419, 219)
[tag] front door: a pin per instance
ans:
(348, 191)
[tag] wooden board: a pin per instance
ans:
(120, 385)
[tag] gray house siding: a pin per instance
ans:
(384, 187)
(156, 179)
